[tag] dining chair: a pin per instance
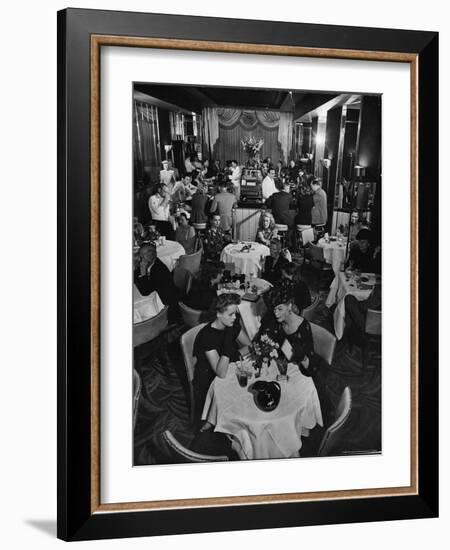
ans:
(191, 317)
(137, 389)
(372, 333)
(308, 312)
(182, 279)
(187, 349)
(317, 261)
(151, 328)
(324, 342)
(333, 433)
(183, 454)
(191, 262)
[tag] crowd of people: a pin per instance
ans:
(185, 210)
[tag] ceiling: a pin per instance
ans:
(195, 98)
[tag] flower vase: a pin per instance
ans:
(265, 368)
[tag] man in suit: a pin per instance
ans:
(319, 214)
(283, 209)
(275, 263)
(223, 203)
(151, 274)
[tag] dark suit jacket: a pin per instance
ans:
(272, 273)
(283, 207)
(159, 279)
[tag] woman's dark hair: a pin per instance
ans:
(183, 215)
(281, 295)
(289, 268)
(225, 300)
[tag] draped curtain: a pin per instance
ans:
(225, 127)
(285, 128)
(147, 155)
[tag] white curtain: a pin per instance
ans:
(210, 128)
(285, 128)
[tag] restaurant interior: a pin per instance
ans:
(257, 274)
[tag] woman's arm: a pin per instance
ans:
(219, 364)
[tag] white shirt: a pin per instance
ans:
(158, 211)
(235, 176)
(268, 187)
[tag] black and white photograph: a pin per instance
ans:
(257, 273)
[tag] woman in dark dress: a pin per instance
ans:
(216, 346)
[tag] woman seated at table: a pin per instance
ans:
(185, 234)
(289, 283)
(294, 332)
(364, 256)
(215, 239)
(215, 346)
(203, 291)
(266, 229)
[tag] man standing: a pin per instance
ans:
(268, 185)
(223, 203)
(319, 213)
(283, 209)
(159, 206)
(235, 177)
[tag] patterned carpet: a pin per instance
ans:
(163, 402)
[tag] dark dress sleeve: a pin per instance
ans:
(303, 346)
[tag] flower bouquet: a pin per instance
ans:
(264, 349)
(252, 146)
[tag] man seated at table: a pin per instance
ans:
(274, 263)
(151, 274)
(364, 256)
(215, 239)
(356, 312)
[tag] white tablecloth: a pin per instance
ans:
(245, 262)
(339, 289)
(145, 307)
(169, 253)
(333, 253)
(258, 434)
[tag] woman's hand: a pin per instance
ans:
(143, 267)
(305, 362)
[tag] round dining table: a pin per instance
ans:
(333, 252)
(257, 434)
(247, 257)
(169, 252)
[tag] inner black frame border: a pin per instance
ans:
(75, 520)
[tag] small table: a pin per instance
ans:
(169, 252)
(248, 262)
(340, 287)
(257, 434)
(333, 252)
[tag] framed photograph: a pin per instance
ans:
(247, 241)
